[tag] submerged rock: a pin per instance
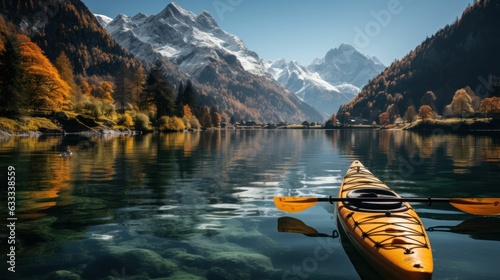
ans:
(121, 262)
(184, 258)
(62, 275)
(239, 265)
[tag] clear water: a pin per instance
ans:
(199, 205)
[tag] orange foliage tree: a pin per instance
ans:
(384, 118)
(490, 107)
(425, 112)
(47, 91)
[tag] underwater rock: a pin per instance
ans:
(184, 258)
(62, 275)
(119, 261)
(182, 275)
(239, 265)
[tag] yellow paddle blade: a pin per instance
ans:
(289, 224)
(489, 206)
(294, 204)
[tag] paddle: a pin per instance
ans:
(476, 206)
(289, 224)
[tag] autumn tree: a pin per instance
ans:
(137, 81)
(85, 88)
(490, 107)
(47, 91)
(461, 104)
(384, 118)
(13, 93)
(332, 122)
(206, 119)
(65, 68)
(105, 91)
(475, 100)
(410, 114)
(425, 112)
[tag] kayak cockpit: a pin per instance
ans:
(371, 204)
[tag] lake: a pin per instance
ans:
(199, 205)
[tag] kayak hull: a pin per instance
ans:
(390, 236)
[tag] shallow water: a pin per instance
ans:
(199, 205)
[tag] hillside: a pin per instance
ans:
(70, 27)
(459, 55)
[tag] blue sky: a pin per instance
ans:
(303, 30)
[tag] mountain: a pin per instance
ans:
(346, 65)
(328, 82)
(310, 87)
(231, 74)
(68, 26)
(462, 54)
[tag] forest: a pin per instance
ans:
(134, 98)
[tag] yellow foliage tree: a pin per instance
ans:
(47, 91)
(462, 104)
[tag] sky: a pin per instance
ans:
(302, 30)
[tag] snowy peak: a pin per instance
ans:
(103, 20)
(206, 19)
(310, 87)
(188, 40)
(345, 64)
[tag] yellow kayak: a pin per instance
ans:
(390, 235)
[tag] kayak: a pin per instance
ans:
(388, 234)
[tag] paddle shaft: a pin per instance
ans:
(427, 200)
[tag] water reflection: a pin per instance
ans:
(211, 192)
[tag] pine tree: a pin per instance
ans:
(158, 93)
(13, 93)
(179, 105)
(122, 94)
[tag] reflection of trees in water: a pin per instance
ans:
(411, 153)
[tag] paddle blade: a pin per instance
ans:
(289, 224)
(294, 204)
(478, 206)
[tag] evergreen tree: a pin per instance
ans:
(158, 93)
(179, 105)
(12, 90)
(189, 96)
(122, 94)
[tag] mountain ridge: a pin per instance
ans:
(233, 75)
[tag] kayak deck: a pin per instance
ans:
(390, 235)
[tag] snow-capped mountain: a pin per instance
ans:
(347, 65)
(328, 82)
(184, 37)
(231, 74)
(310, 87)
(197, 45)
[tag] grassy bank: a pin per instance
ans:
(456, 125)
(25, 125)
